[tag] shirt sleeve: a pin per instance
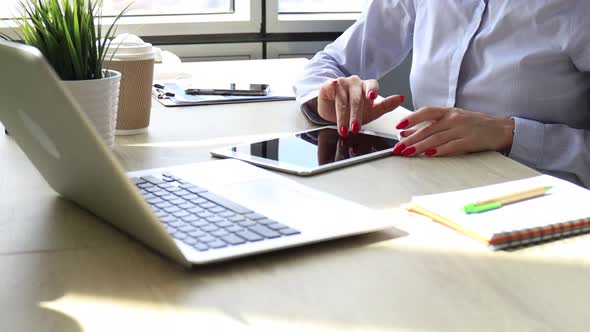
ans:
(557, 147)
(375, 44)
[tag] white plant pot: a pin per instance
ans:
(99, 100)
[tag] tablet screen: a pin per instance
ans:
(317, 148)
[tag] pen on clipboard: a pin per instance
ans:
(200, 91)
(498, 202)
(232, 90)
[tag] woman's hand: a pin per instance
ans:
(453, 131)
(351, 102)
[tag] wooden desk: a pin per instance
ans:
(64, 270)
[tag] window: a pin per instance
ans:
(320, 6)
(284, 16)
(145, 7)
(169, 7)
(171, 17)
(226, 24)
(8, 9)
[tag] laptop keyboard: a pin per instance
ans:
(202, 219)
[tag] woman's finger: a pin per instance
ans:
(424, 133)
(406, 133)
(453, 147)
(326, 98)
(357, 103)
(430, 144)
(342, 107)
(382, 107)
(371, 89)
(422, 115)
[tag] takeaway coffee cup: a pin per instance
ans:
(134, 59)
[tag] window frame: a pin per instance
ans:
(215, 52)
(294, 49)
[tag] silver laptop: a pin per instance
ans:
(194, 214)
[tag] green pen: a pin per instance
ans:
(498, 202)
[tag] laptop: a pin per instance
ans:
(194, 214)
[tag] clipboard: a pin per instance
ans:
(171, 94)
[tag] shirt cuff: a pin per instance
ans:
(527, 144)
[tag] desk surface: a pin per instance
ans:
(65, 270)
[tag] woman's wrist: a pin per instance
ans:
(507, 126)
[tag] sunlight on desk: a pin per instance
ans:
(299, 283)
(213, 142)
(126, 315)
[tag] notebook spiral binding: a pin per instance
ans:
(526, 237)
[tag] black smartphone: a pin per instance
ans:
(231, 89)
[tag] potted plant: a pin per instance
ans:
(70, 36)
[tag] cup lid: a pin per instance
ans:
(129, 49)
(128, 46)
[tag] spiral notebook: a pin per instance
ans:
(563, 211)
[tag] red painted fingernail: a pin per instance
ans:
(334, 83)
(356, 127)
(398, 148)
(403, 133)
(408, 151)
(372, 94)
(343, 131)
(402, 98)
(402, 124)
(430, 152)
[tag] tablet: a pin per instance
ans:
(312, 151)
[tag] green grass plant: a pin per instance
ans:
(70, 35)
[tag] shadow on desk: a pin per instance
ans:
(362, 283)
(370, 282)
